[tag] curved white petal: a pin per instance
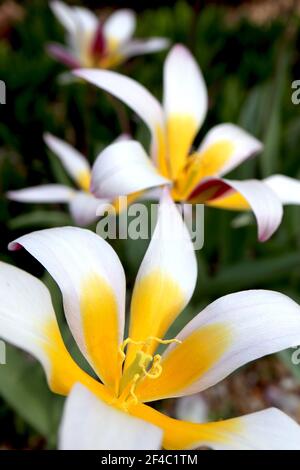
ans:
(185, 104)
(119, 26)
(83, 208)
(92, 282)
(88, 423)
(82, 41)
(185, 92)
(226, 146)
(248, 194)
(144, 46)
(270, 429)
(25, 311)
(86, 22)
(166, 278)
(230, 332)
(264, 203)
(131, 93)
(74, 162)
(124, 168)
(28, 321)
(64, 14)
(287, 189)
(43, 194)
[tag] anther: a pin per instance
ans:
(156, 368)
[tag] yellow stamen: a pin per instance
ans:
(133, 387)
(156, 368)
(143, 365)
(125, 343)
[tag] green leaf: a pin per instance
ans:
(40, 218)
(272, 138)
(251, 274)
(23, 386)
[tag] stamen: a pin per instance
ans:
(164, 341)
(143, 365)
(125, 343)
(133, 387)
(156, 368)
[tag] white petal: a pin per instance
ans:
(232, 331)
(84, 207)
(28, 321)
(171, 249)
(264, 203)
(86, 20)
(25, 310)
(74, 162)
(92, 282)
(193, 408)
(144, 46)
(131, 93)
(124, 168)
(90, 424)
(169, 266)
(243, 146)
(269, 429)
(43, 194)
(185, 104)
(64, 14)
(184, 87)
(81, 41)
(119, 26)
(287, 189)
(252, 194)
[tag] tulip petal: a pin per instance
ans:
(64, 14)
(225, 147)
(119, 27)
(28, 321)
(214, 150)
(169, 266)
(86, 20)
(84, 208)
(270, 429)
(286, 189)
(92, 282)
(88, 423)
(230, 332)
(243, 195)
(144, 46)
(82, 41)
(124, 168)
(63, 55)
(185, 104)
(133, 95)
(74, 162)
(56, 193)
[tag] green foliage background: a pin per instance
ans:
(248, 69)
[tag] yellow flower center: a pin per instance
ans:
(143, 365)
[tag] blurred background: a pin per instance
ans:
(249, 55)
